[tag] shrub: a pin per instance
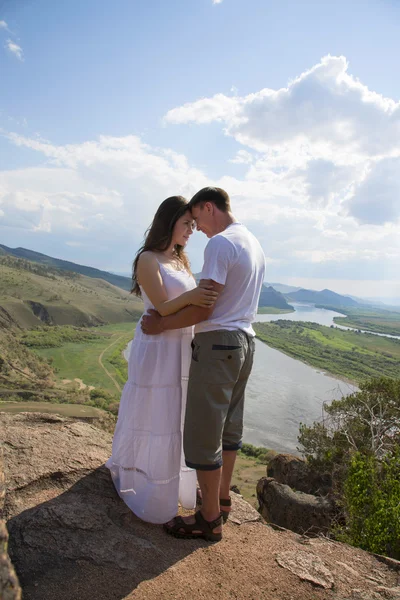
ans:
(259, 452)
(372, 504)
(367, 421)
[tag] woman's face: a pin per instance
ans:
(183, 229)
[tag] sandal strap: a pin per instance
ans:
(179, 524)
(199, 524)
(207, 526)
(225, 502)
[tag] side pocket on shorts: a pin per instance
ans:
(195, 351)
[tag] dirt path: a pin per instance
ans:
(100, 360)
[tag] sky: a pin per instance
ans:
(293, 107)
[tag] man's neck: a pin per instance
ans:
(225, 220)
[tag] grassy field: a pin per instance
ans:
(32, 294)
(272, 310)
(97, 363)
(65, 410)
(347, 354)
(248, 471)
(369, 319)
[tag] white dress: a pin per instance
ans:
(147, 463)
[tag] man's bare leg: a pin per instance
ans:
(209, 482)
(229, 458)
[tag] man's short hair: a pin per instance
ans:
(211, 194)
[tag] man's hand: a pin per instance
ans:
(152, 323)
(207, 284)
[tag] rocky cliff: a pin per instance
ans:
(9, 586)
(71, 537)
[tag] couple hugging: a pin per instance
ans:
(181, 413)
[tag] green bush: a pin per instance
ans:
(117, 360)
(259, 452)
(56, 336)
(372, 504)
(100, 398)
(367, 421)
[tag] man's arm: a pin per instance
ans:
(154, 323)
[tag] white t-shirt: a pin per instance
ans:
(235, 259)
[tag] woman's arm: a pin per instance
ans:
(149, 277)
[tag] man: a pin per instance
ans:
(222, 358)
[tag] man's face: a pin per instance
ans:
(204, 218)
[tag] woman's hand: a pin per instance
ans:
(203, 295)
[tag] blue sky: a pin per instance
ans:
(293, 107)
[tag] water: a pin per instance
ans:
(308, 312)
(304, 312)
(283, 392)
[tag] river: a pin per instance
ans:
(308, 312)
(283, 392)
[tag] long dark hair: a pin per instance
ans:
(158, 236)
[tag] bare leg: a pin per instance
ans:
(229, 458)
(209, 482)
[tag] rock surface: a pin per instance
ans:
(294, 472)
(302, 513)
(307, 566)
(9, 586)
(72, 537)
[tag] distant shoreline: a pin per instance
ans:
(342, 354)
(272, 310)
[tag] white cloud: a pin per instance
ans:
(325, 138)
(15, 49)
(216, 1)
(3, 25)
(95, 200)
(325, 108)
(323, 203)
(377, 199)
(242, 158)
(100, 193)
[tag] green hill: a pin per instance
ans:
(118, 280)
(270, 297)
(32, 294)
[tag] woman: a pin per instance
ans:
(147, 464)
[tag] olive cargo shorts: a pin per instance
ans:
(219, 370)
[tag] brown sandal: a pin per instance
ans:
(225, 513)
(227, 502)
(200, 525)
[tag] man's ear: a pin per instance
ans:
(210, 207)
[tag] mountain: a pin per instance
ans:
(326, 297)
(270, 297)
(283, 288)
(32, 294)
(123, 282)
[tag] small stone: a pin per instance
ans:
(242, 511)
(307, 566)
(349, 569)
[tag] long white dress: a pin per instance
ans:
(147, 463)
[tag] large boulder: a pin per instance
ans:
(73, 538)
(300, 512)
(296, 473)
